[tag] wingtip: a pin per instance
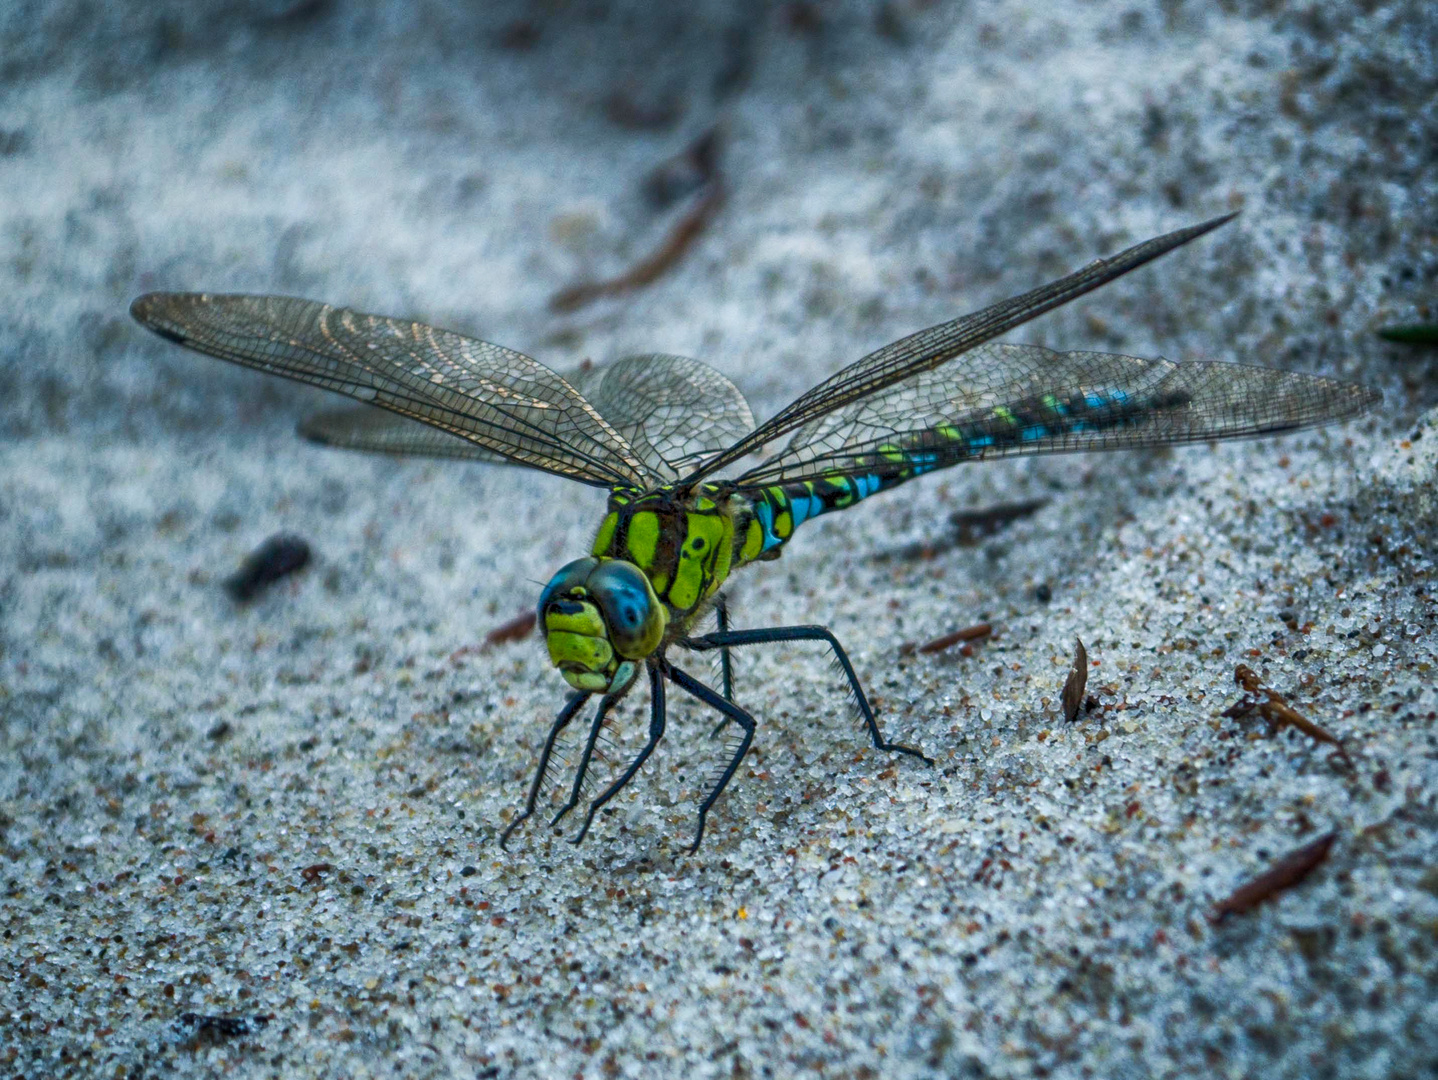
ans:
(145, 310)
(141, 305)
(1213, 223)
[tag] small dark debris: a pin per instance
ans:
(1280, 877)
(467, 871)
(971, 527)
(299, 13)
(737, 52)
(1043, 594)
(13, 141)
(975, 525)
(889, 23)
(519, 36)
(802, 17)
(220, 731)
(277, 557)
(1273, 708)
(1076, 683)
(312, 873)
(627, 110)
(200, 1031)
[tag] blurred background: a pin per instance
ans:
(777, 189)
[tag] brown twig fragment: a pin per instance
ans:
(1280, 877)
(969, 633)
(974, 525)
(1076, 683)
(1272, 707)
(684, 173)
(686, 230)
(516, 629)
(971, 527)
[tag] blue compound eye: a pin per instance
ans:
(570, 575)
(634, 615)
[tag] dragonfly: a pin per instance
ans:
(668, 437)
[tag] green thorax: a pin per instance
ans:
(687, 543)
(683, 542)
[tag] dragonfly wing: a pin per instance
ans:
(669, 409)
(502, 401)
(672, 410)
(931, 348)
(363, 427)
(1001, 399)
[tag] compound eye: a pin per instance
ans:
(634, 615)
(571, 576)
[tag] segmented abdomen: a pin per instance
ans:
(779, 509)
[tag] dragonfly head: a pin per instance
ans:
(600, 618)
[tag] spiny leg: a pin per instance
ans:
(561, 721)
(656, 732)
(732, 712)
(605, 704)
(721, 615)
(726, 666)
(774, 634)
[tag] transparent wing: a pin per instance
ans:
(669, 409)
(363, 427)
(931, 348)
(495, 398)
(1001, 399)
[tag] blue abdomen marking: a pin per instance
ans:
(782, 508)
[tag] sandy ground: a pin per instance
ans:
(285, 814)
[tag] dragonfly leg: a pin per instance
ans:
(721, 615)
(726, 666)
(561, 721)
(605, 704)
(731, 711)
(773, 634)
(656, 732)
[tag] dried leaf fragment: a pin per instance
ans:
(1280, 877)
(516, 629)
(1273, 708)
(977, 632)
(1076, 683)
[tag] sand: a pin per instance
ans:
(284, 814)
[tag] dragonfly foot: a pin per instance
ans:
(900, 748)
(509, 831)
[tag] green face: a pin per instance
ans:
(599, 618)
